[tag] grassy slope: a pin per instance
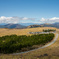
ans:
(22, 31)
(52, 51)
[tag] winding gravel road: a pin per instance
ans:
(40, 47)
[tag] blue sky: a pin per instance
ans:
(39, 10)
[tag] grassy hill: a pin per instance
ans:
(51, 52)
(4, 31)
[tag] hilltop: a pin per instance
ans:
(34, 26)
(44, 25)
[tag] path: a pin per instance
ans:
(40, 47)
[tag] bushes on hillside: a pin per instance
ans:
(14, 43)
(49, 30)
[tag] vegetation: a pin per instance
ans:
(49, 30)
(34, 26)
(14, 43)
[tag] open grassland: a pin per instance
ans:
(51, 52)
(4, 32)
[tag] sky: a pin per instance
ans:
(29, 11)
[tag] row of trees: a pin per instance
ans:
(49, 30)
(14, 43)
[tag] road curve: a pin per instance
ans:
(40, 47)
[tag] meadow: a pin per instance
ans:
(50, 52)
(4, 31)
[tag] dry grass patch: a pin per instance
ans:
(4, 31)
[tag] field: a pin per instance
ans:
(51, 52)
(4, 32)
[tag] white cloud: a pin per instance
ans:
(51, 20)
(25, 18)
(42, 20)
(4, 19)
(54, 18)
(15, 20)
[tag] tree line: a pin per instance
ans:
(49, 30)
(14, 43)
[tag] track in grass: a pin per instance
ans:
(40, 47)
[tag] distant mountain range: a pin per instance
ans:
(31, 25)
(12, 26)
(51, 25)
(27, 24)
(45, 25)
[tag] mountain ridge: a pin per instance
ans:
(45, 25)
(12, 26)
(20, 26)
